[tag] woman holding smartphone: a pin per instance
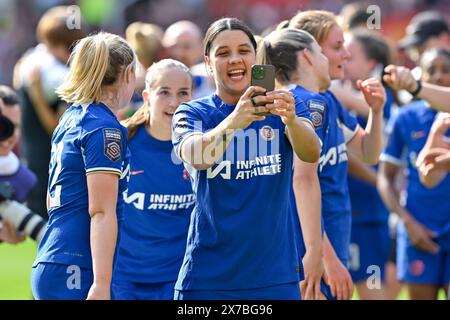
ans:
(240, 239)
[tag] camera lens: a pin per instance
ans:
(258, 73)
(23, 219)
(6, 128)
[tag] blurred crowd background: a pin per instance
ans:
(32, 58)
(18, 18)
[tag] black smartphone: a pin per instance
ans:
(263, 75)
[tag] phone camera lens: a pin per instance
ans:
(258, 73)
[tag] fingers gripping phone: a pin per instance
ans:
(263, 75)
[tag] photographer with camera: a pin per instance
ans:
(16, 180)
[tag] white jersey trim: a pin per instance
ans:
(349, 134)
(104, 169)
(390, 159)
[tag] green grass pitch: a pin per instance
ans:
(15, 268)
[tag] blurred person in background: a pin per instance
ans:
(354, 15)
(370, 243)
(8, 231)
(432, 161)
(182, 41)
(423, 258)
(16, 180)
(427, 29)
(145, 39)
(37, 74)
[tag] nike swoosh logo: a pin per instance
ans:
(133, 173)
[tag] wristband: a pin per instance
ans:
(416, 92)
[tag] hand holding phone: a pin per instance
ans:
(263, 75)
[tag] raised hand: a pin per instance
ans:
(398, 78)
(283, 105)
(246, 110)
(374, 93)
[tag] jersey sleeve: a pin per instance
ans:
(102, 150)
(302, 111)
(185, 123)
(317, 110)
(348, 122)
(395, 142)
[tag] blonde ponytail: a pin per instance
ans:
(139, 118)
(96, 62)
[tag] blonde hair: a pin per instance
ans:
(318, 23)
(145, 39)
(96, 61)
(142, 115)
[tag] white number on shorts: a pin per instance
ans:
(354, 263)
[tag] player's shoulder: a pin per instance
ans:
(98, 116)
(329, 95)
(200, 106)
(206, 109)
(413, 111)
(303, 92)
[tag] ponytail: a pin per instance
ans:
(96, 61)
(280, 49)
(139, 118)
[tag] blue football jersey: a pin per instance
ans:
(367, 205)
(335, 127)
(241, 230)
(157, 210)
(340, 128)
(317, 106)
(409, 132)
(88, 139)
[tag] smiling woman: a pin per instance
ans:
(223, 260)
(159, 199)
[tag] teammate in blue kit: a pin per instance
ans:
(423, 245)
(433, 160)
(240, 239)
(301, 66)
(370, 238)
(159, 199)
(88, 173)
(340, 131)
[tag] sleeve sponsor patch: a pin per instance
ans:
(317, 110)
(112, 141)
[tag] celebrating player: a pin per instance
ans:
(87, 173)
(341, 131)
(240, 240)
(422, 241)
(159, 199)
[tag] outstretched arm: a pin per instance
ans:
(367, 144)
(398, 77)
